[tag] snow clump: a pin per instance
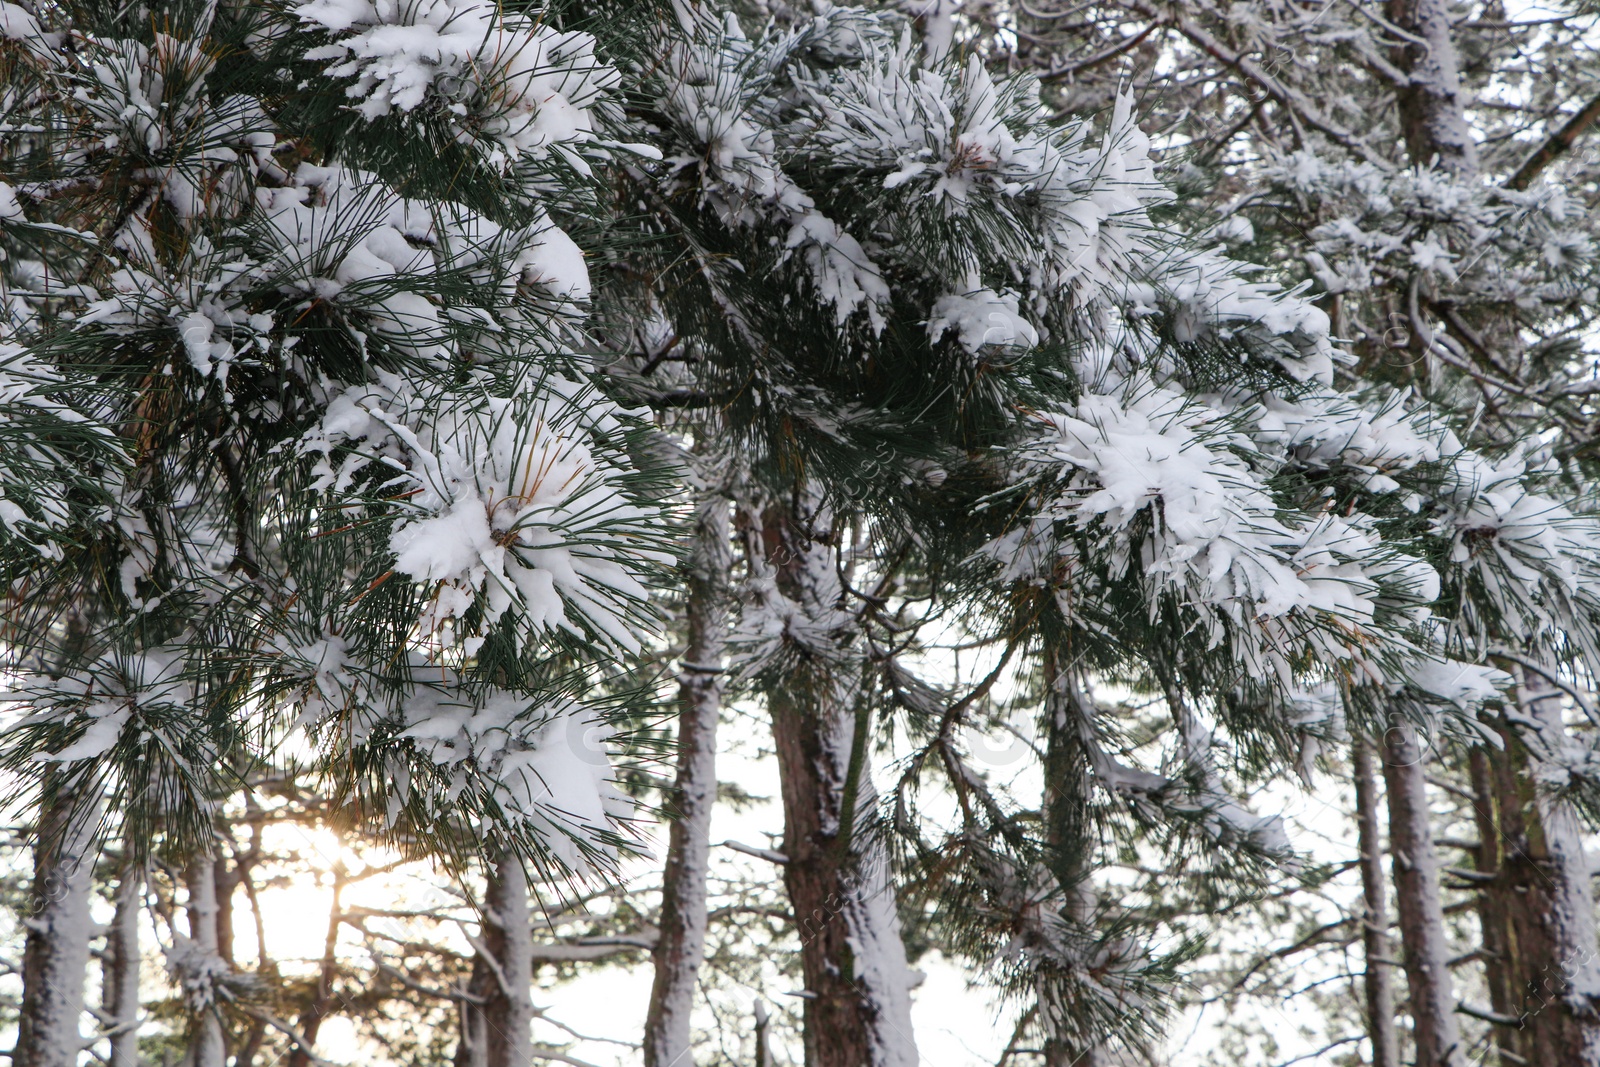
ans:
(509, 80)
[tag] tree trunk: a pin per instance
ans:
(1496, 903)
(1379, 980)
(1067, 837)
(1416, 880)
(508, 939)
(121, 975)
(322, 999)
(858, 987)
(208, 1042)
(56, 955)
(1540, 909)
(1435, 129)
(681, 947)
(1564, 985)
(227, 879)
(1431, 115)
(763, 1044)
(472, 1048)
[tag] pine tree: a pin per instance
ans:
(1451, 300)
(301, 439)
(320, 434)
(1124, 337)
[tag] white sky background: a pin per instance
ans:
(955, 1026)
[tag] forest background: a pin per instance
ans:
(1040, 532)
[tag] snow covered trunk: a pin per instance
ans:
(1068, 838)
(1416, 880)
(1564, 986)
(1431, 104)
(121, 981)
(1378, 978)
(763, 1045)
(208, 1043)
(508, 939)
(56, 955)
(681, 947)
(858, 986)
(937, 20)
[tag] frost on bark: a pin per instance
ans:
(201, 965)
(1538, 911)
(1378, 977)
(1435, 1035)
(1431, 115)
(497, 1022)
(56, 954)
(681, 947)
(858, 986)
(121, 974)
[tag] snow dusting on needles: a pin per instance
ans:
(105, 698)
(549, 766)
(507, 79)
(1214, 535)
(504, 500)
(739, 171)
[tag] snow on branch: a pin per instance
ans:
(510, 80)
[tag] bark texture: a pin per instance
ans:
(121, 982)
(497, 1019)
(1569, 1028)
(681, 947)
(1378, 979)
(1431, 115)
(1538, 910)
(1506, 915)
(1065, 811)
(208, 1042)
(1435, 1034)
(857, 1002)
(56, 954)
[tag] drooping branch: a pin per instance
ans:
(1555, 146)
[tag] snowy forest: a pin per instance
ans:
(774, 533)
